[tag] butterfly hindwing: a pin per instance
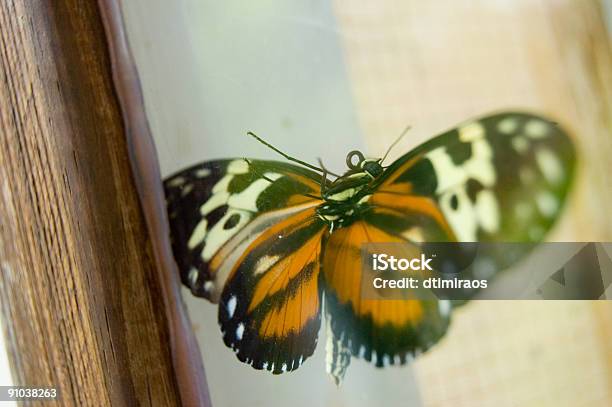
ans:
(270, 308)
(216, 202)
(385, 332)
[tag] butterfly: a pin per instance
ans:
(276, 244)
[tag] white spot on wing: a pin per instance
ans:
(444, 307)
(463, 220)
(550, 166)
(208, 286)
(193, 276)
(479, 166)
(202, 172)
(452, 180)
(217, 235)
(231, 306)
(547, 204)
(284, 367)
(238, 167)
(240, 331)
(520, 144)
(242, 204)
(247, 199)
(264, 264)
(176, 182)
(414, 234)
(198, 234)
(487, 211)
(216, 200)
(507, 125)
(536, 128)
(471, 131)
(186, 189)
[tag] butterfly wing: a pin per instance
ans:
(218, 207)
(499, 178)
(270, 307)
(385, 332)
(503, 177)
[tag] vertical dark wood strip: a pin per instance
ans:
(79, 290)
(186, 357)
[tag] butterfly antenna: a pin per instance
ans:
(287, 156)
(395, 142)
(324, 181)
(326, 170)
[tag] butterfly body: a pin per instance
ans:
(346, 197)
(276, 244)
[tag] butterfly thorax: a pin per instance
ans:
(346, 197)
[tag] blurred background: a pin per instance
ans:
(318, 79)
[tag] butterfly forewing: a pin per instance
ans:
(216, 202)
(499, 178)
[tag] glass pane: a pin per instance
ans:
(319, 79)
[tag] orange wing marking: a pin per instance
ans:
(342, 267)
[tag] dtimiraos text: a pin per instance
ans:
(431, 282)
(384, 262)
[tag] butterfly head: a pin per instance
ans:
(372, 167)
(358, 163)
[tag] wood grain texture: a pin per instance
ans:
(78, 289)
(185, 354)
